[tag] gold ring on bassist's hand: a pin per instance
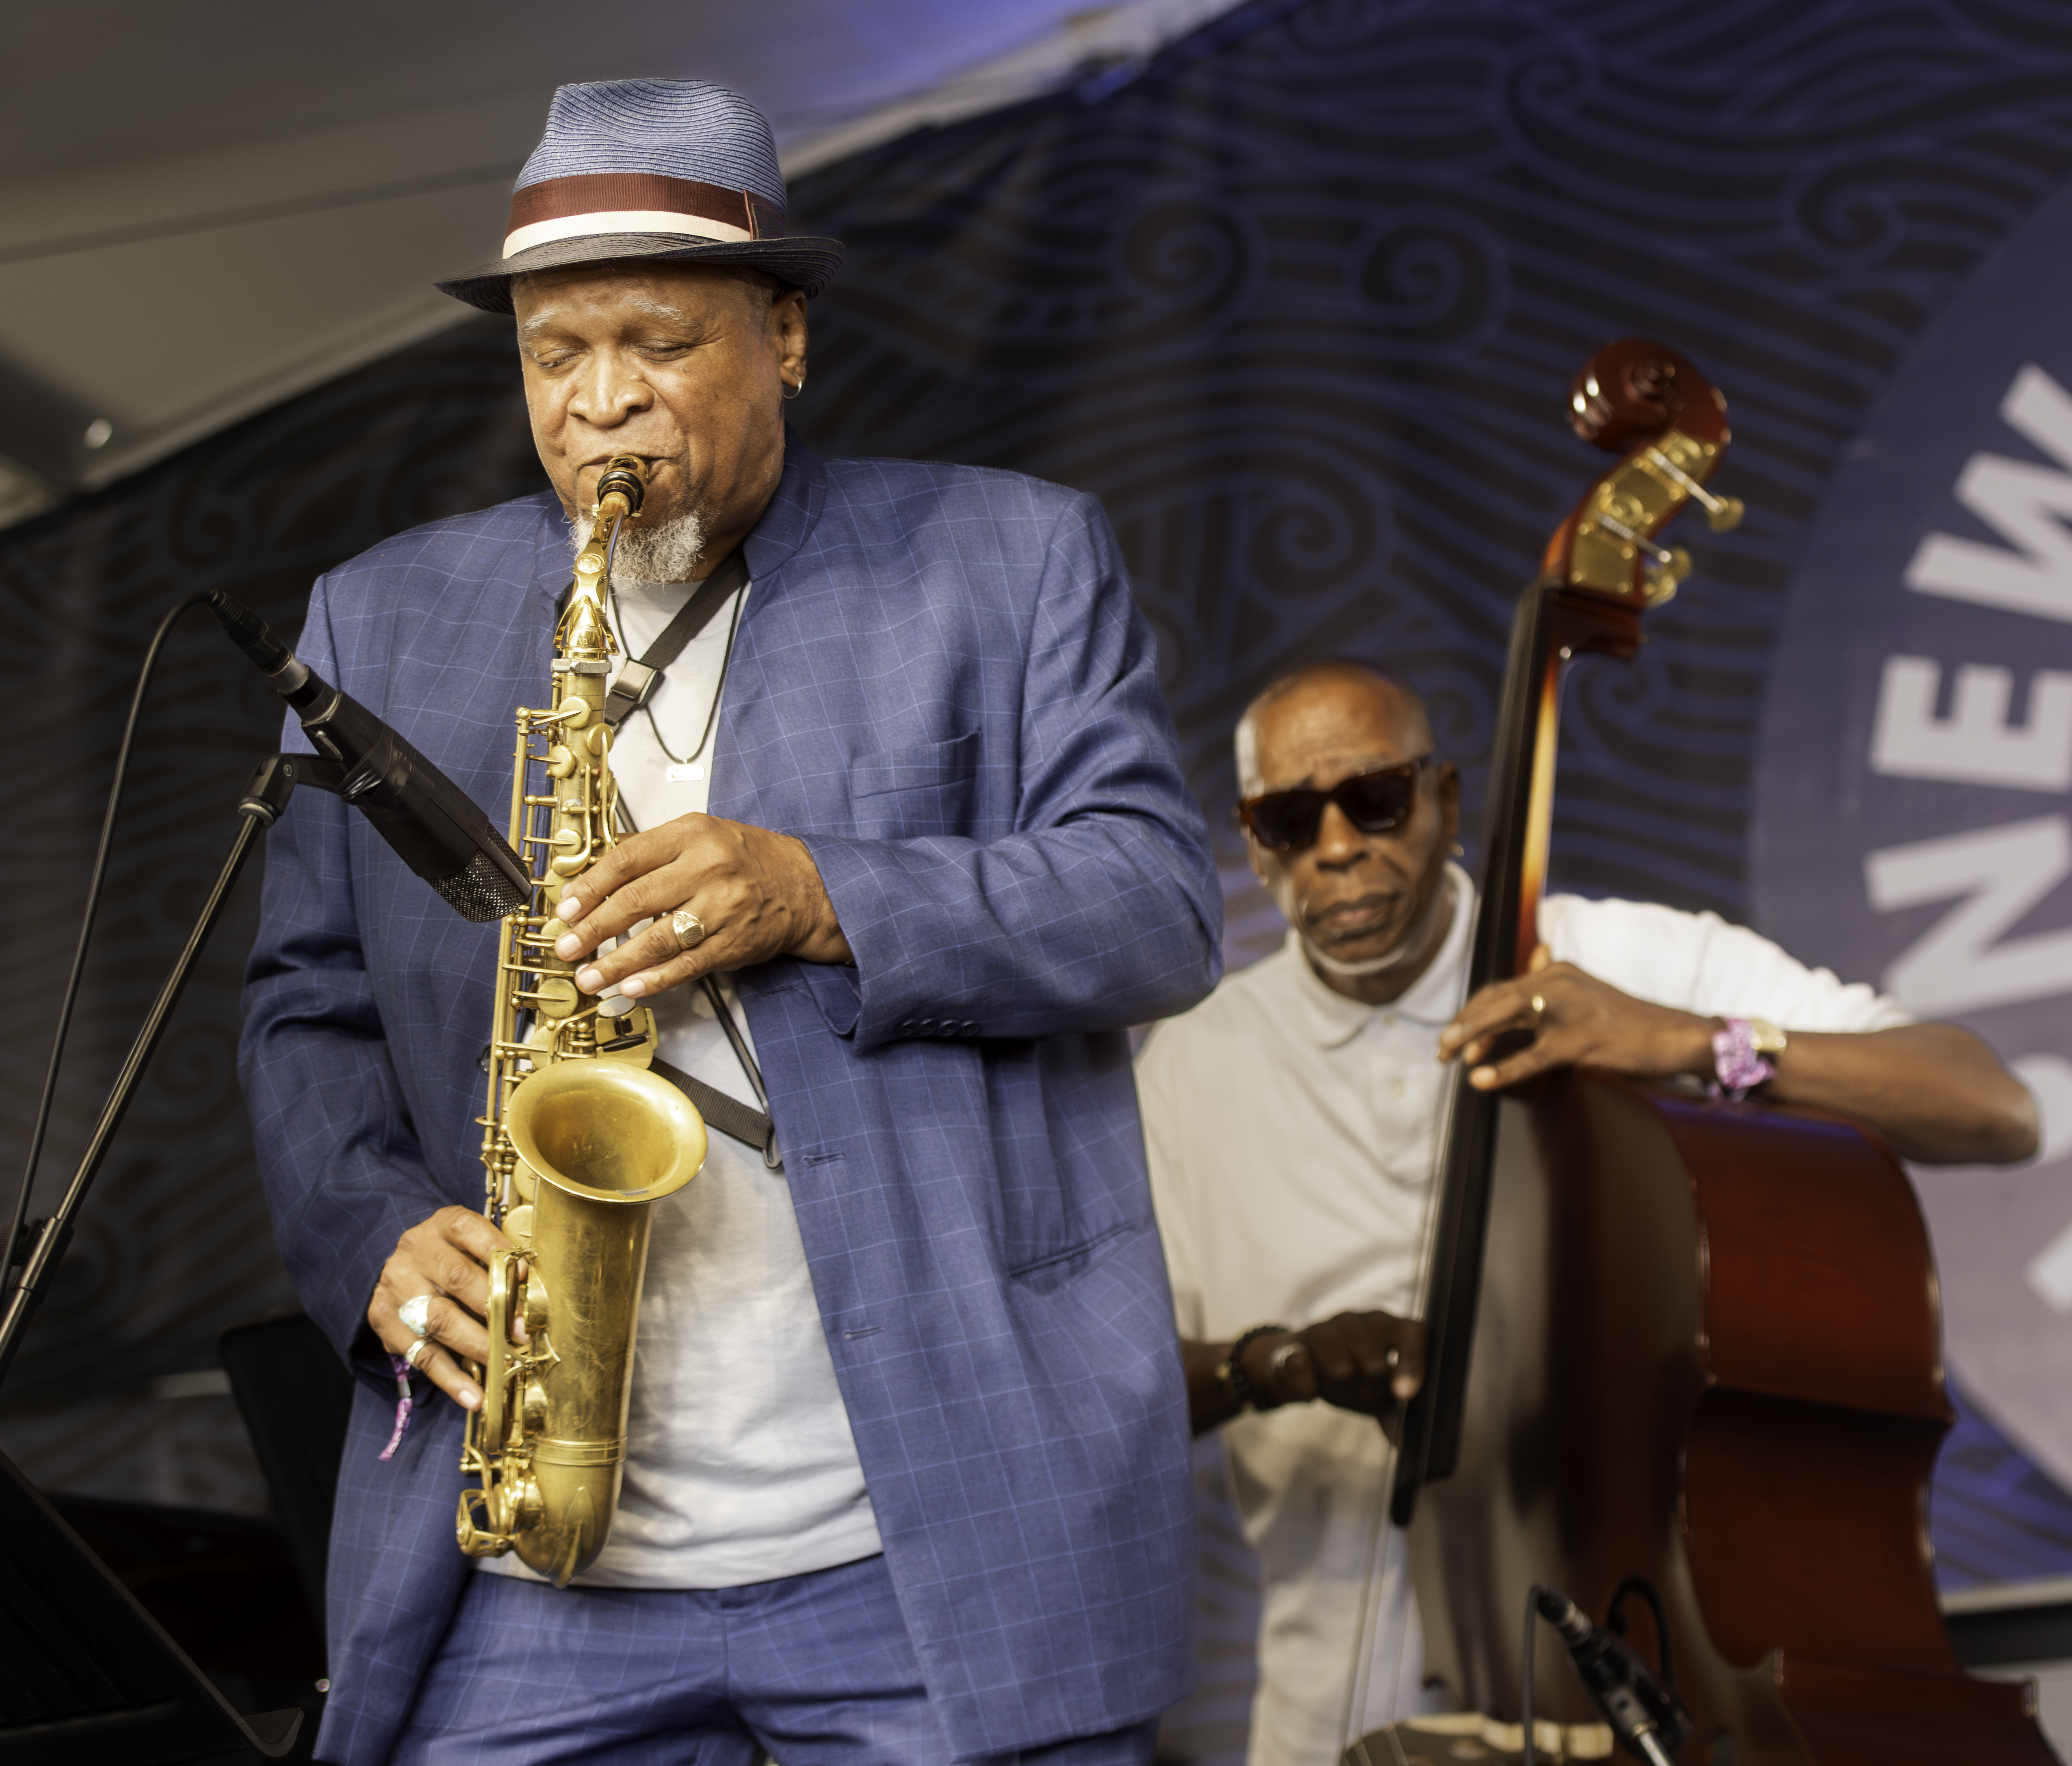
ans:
(1539, 1009)
(1277, 1364)
(690, 929)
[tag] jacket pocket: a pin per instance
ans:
(1044, 1275)
(923, 789)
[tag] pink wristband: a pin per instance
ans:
(1734, 1059)
(405, 1404)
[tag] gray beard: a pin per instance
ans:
(669, 553)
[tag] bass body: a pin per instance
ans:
(1708, 1354)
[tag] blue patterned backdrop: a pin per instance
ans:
(1299, 303)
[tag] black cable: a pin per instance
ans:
(1525, 1689)
(13, 1240)
(1615, 1619)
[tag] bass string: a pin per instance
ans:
(1382, 1540)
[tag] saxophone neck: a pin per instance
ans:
(620, 492)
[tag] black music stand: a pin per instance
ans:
(87, 1677)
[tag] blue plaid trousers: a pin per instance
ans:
(811, 1670)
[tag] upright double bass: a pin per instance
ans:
(1681, 1346)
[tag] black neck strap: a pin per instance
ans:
(639, 682)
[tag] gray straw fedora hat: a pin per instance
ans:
(670, 169)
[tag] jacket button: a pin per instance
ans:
(970, 1028)
(927, 1027)
(906, 1027)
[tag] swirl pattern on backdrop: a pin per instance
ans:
(1301, 305)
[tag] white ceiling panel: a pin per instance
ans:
(208, 207)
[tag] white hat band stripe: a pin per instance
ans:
(627, 220)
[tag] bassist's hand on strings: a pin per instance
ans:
(1571, 1018)
(1935, 1090)
(1371, 1362)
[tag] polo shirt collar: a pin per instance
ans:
(1332, 1019)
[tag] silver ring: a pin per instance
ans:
(690, 929)
(416, 1313)
(417, 1348)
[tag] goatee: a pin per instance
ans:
(668, 553)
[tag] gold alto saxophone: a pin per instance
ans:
(579, 1140)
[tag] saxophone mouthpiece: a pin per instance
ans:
(626, 478)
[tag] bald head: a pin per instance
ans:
(1320, 714)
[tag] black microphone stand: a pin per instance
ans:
(71, 1625)
(267, 796)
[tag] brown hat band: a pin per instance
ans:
(558, 208)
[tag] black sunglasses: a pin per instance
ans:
(1374, 802)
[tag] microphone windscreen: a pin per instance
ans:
(481, 891)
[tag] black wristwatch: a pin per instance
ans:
(1231, 1374)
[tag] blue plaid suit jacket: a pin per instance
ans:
(942, 684)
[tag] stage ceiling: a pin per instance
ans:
(208, 208)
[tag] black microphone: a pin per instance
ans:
(1644, 1714)
(432, 824)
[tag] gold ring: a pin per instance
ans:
(690, 929)
(1539, 1007)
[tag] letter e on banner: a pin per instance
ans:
(1975, 743)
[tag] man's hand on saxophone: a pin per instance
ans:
(758, 895)
(444, 1261)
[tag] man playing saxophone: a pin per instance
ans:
(904, 846)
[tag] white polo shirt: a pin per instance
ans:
(1290, 1132)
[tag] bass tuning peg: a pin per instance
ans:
(1722, 514)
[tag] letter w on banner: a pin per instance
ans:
(2028, 504)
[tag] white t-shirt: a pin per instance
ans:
(1290, 1133)
(740, 1464)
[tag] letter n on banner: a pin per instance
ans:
(2000, 874)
